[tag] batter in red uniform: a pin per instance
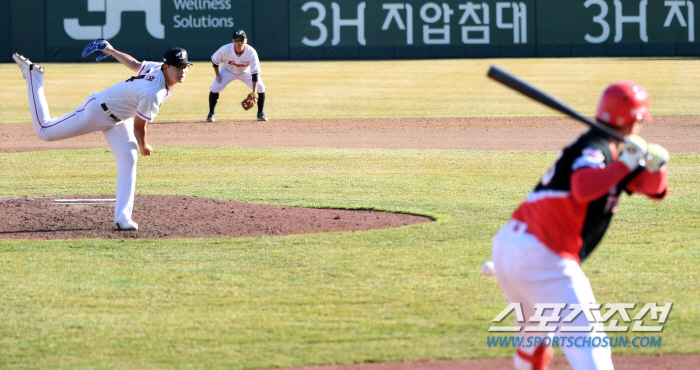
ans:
(537, 255)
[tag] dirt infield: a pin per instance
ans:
(677, 134)
(621, 362)
(172, 216)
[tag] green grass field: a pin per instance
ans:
(406, 293)
(362, 89)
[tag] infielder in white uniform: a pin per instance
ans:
(240, 62)
(121, 112)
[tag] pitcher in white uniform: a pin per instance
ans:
(240, 62)
(121, 112)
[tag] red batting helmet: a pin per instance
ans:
(623, 103)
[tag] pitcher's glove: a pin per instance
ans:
(98, 46)
(250, 101)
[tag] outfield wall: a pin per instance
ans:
(57, 30)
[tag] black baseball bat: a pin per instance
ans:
(538, 95)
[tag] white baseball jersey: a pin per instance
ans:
(139, 96)
(248, 62)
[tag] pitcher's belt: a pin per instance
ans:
(104, 106)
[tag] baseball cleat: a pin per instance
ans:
(26, 65)
(126, 225)
(261, 117)
(211, 118)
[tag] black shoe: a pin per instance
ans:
(211, 118)
(261, 117)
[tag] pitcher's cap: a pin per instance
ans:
(176, 57)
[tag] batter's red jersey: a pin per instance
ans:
(572, 223)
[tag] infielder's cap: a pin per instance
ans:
(239, 33)
(176, 57)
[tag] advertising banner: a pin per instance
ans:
(615, 27)
(357, 29)
(144, 27)
(490, 28)
(390, 23)
(410, 28)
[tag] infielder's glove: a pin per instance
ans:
(98, 46)
(250, 101)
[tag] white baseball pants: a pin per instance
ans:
(529, 273)
(227, 77)
(90, 117)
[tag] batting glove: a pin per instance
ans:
(98, 46)
(634, 152)
(656, 158)
(254, 95)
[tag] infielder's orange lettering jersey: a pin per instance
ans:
(247, 62)
(139, 96)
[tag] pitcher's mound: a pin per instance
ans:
(172, 216)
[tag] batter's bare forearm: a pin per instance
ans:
(124, 58)
(216, 70)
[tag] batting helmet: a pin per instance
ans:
(623, 103)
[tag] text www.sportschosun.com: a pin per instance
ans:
(573, 341)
